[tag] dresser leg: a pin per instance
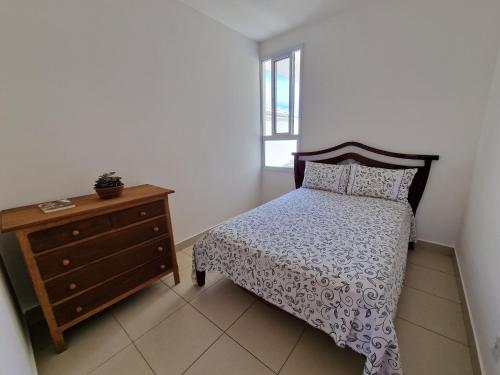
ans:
(177, 279)
(58, 340)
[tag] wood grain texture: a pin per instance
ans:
(27, 216)
(85, 259)
(177, 279)
(56, 332)
(137, 213)
(89, 300)
(54, 237)
(70, 257)
(416, 188)
(92, 274)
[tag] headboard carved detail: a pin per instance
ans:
(416, 189)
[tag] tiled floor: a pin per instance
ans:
(220, 329)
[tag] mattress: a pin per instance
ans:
(335, 261)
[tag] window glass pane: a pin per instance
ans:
(282, 95)
(279, 153)
(267, 97)
(296, 99)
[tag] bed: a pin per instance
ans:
(336, 261)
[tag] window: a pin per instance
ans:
(280, 107)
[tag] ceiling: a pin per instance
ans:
(262, 19)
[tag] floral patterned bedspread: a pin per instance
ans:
(336, 261)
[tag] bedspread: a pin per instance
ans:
(336, 261)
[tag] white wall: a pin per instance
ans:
(151, 89)
(477, 249)
(16, 355)
(403, 75)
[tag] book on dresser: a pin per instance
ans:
(62, 204)
(86, 259)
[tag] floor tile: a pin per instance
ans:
(128, 362)
(444, 250)
(188, 289)
(268, 333)
(226, 357)
(431, 259)
(184, 260)
(317, 354)
(188, 251)
(437, 314)
(146, 309)
(424, 352)
(89, 344)
(434, 282)
(223, 303)
(176, 343)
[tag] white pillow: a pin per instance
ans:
(392, 184)
(329, 177)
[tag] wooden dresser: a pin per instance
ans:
(84, 259)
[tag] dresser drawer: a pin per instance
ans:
(87, 301)
(53, 237)
(74, 282)
(137, 213)
(71, 257)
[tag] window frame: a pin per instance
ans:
(274, 57)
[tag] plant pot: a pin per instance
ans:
(108, 193)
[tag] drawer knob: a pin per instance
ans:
(156, 229)
(66, 262)
(72, 286)
(79, 309)
(142, 213)
(163, 266)
(75, 233)
(160, 249)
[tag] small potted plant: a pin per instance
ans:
(108, 186)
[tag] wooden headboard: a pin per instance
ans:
(421, 162)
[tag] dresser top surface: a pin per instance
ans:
(27, 216)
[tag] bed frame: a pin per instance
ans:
(419, 181)
(421, 162)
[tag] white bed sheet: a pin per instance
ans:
(336, 261)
